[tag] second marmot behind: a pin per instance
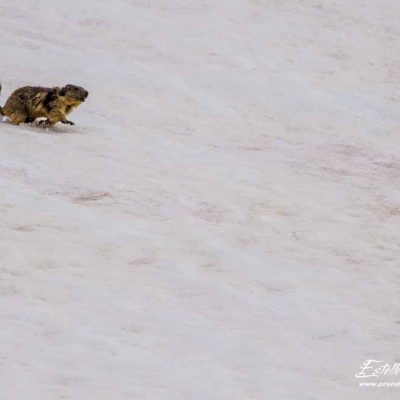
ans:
(28, 103)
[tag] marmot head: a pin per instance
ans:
(74, 95)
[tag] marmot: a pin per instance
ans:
(28, 103)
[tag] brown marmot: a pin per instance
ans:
(28, 103)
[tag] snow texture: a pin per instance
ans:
(223, 222)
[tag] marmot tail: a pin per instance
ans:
(1, 111)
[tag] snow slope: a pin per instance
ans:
(223, 222)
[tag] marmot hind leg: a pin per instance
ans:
(17, 117)
(15, 110)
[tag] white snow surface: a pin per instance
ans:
(223, 222)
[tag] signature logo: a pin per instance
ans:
(377, 368)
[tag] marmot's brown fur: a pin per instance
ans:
(28, 103)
